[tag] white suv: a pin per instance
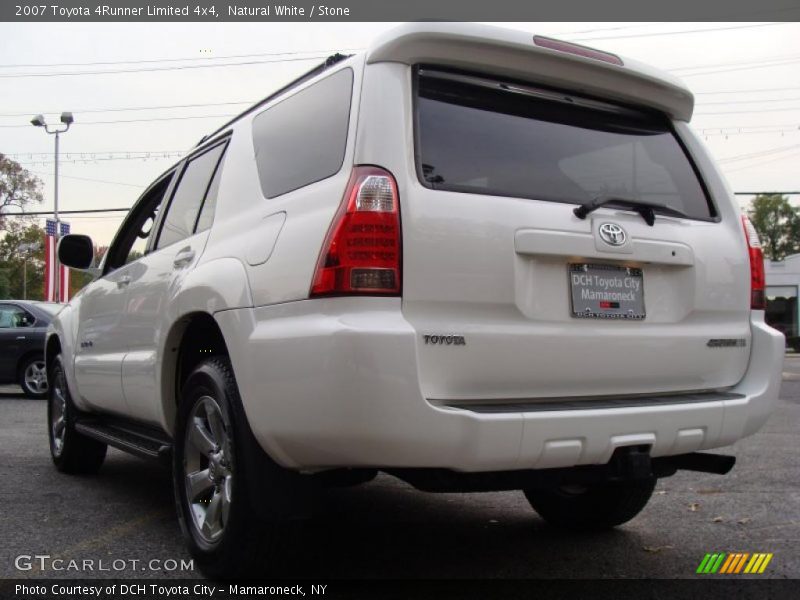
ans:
(468, 257)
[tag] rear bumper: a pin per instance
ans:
(334, 383)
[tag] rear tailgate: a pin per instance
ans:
(494, 253)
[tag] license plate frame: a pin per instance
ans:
(599, 291)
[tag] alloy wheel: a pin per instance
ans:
(35, 377)
(58, 412)
(208, 469)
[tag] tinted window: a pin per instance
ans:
(139, 246)
(131, 240)
(543, 145)
(302, 139)
(206, 217)
(183, 210)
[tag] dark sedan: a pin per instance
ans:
(22, 328)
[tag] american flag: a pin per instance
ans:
(50, 262)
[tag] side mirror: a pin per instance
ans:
(76, 251)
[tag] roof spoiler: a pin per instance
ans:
(518, 55)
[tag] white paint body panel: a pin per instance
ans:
(345, 389)
(343, 382)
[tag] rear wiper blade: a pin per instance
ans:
(645, 208)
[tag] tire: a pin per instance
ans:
(33, 377)
(596, 507)
(218, 466)
(71, 451)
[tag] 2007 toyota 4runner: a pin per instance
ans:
(468, 257)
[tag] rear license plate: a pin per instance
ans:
(606, 292)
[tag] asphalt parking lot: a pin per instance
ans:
(386, 529)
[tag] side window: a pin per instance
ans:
(13, 316)
(206, 217)
(131, 240)
(181, 216)
(302, 139)
(143, 235)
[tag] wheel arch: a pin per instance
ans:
(192, 338)
(52, 347)
(194, 325)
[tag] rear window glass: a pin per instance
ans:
(50, 308)
(484, 137)
(302, 139)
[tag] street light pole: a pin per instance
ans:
(38, 121)
(55, 185)
(26, 249)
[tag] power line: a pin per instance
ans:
(763, 162)
(684, 32)
(130, 108)
(84, 153)
(758, 154)
(770, 100)
(789, 89)
(727, 134)
(158, 60)
(765, 193)
(65, 212)
(742, 68)
(151, 69)
(739, 63)
(78, 161)
(88, 179)
(82, 123)
(740, 127)
(742, 112)
(603, 29)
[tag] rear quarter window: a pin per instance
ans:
(302, 139)
(479, 136)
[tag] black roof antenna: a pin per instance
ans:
(329, 62)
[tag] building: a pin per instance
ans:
(783, 280)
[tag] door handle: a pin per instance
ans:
(183, 258)
(20, 337)
(123, 281)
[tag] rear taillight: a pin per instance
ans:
(361, 253)
(757, 277)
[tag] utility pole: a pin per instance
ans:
(25, 249)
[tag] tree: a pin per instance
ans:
(778, 225)
(18, 188)
(5, 285)
(12, 260)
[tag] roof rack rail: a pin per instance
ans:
(329, 62)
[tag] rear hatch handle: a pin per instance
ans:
(643, 207)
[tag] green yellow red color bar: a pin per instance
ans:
(734, 563)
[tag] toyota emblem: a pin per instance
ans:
(612, 234)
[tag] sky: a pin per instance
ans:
(745, 77)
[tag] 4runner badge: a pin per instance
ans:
(445, 340)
